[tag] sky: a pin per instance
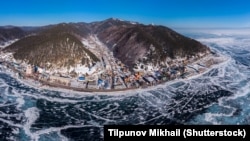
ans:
(171, 13)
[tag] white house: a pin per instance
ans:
(29, 70)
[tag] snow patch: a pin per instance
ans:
(8, 43)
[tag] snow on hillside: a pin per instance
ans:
(7, 43)
(79, 69)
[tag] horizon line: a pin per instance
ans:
(144, 23)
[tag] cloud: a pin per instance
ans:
(219, 41)
(230, 32)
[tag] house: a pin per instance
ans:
(81, 78)
(40, 70)
(29, 70)
(60, 80)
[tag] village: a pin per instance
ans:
(111, 74)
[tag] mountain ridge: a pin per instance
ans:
(130, 42)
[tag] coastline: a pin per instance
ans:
(62, 88)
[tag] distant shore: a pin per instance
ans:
(195, 68)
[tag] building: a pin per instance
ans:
(29, 70)
(40, 70)
(81, 78)
(60, 80)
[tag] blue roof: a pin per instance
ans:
(100, 81)
(81, 78)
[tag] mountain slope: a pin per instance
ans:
(133, 42)
(130, 42)
(10, 33)
(53, 47)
